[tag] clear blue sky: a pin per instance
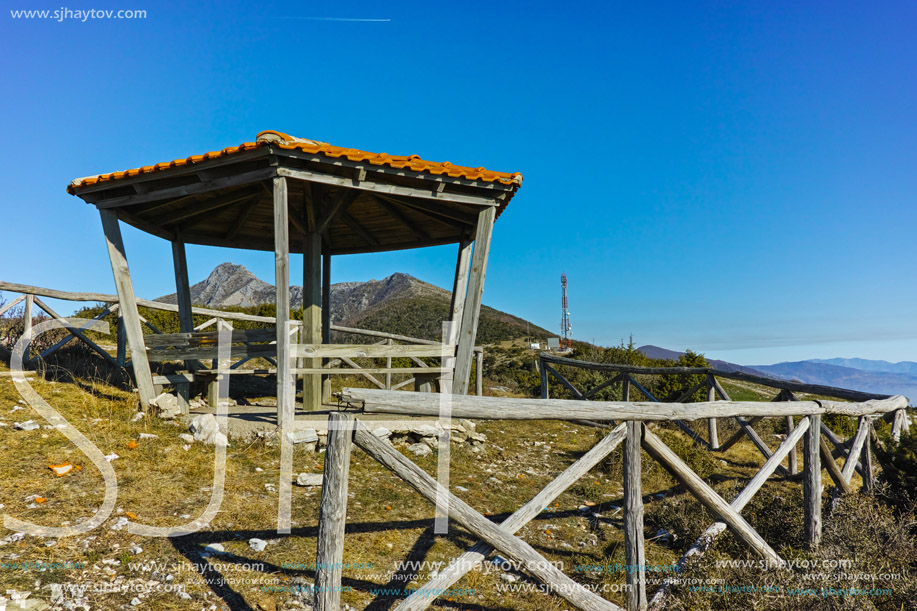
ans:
(738, 179)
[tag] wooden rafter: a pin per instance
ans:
(339, 206)
(186, 214)
(402, 218)
(358, 228)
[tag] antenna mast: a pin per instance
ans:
(565, 326)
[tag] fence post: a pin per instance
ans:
(332, 516)
(122, 342)
(712, 434)
(388, 365)
(812, 482)
(625, 387)
(545, 391)
(479, 374)
(27, 325)
(634, 553)
(791, 458)
(866, 458)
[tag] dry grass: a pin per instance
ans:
(160, 482)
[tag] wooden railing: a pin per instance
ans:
(635, 432)
(247, 344)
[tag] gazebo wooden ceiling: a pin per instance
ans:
(358, 201)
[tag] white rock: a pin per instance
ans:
(111, 457)
(184, 595)
(206, 430)
(382, 432)
(259, 470)
(309, 479)
(215, 548)
(167, 405)
(28, 425)
(119, 524)
(186, 437)
(425, 430)
(135, 601)
(257, 545)
(136, 549)
(148, 436)
(420, 449)
(137, 416)
(303, 436)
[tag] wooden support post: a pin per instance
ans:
(460, 284)
(634, 552)
(183, 292)
(625, 387)
(812, 482)
(479, 373)
(286, 385)
(792, 461)
(473, 296)
(128, 302)
(312, 268)
(332, 517)
(831, 467)
(712, 433)
(707, 496)
(27, 326)
(856, 448)
(326, 319)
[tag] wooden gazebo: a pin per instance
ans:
(280, 193)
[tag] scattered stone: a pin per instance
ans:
(420, 449)
(136, 549)
(215, 548)
(186, 437)
(167, 406)
(184, 595)
(135, 601)
(257, 545)
(308, 438)
(119, 524)
(309, 479)
(148, 436)
(137, 416)
(206, 430)
(259, 470)
(382, 432)
(111, 457)
(28, 425)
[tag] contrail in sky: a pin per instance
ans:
(340, 19)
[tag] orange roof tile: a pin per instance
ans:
(285, 141)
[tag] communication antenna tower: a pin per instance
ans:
(565, 326)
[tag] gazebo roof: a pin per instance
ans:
(358, 201)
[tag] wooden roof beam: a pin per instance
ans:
(208, 206)
(401, 218)
(339, 206)
(358, 229)
(443, 214)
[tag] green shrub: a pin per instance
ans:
(899, 471)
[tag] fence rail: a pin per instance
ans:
(636, 418)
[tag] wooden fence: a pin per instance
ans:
(201, 345)
(636, 434)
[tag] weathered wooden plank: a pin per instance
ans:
(707, 496)
(853, 456)
(286, 386)
(209, 338)
(812, 482)
(634, 552)
(9, 306)
(312, 314)
(332, 517)
(831, 467)
(479, 374)
(566, 383)
(545, 388)
(757, 441)
(210, 352)
(27, 316)
(522, 516)
(703, 543)
(122, 276)
(73, 336)
(161, 195)
(182, 286)
(54, 293)
(436, 371)
(326, 320)
(570, 409)
(791, 460)
(369, 350)
(493, 534)
(713, 438)
(385, 189)
(384, 335)
(473, 295)
(460, 282)
(866, 457)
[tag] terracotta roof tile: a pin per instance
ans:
(285, 141)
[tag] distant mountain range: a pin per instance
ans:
(399, 304)
(655, 352)
(880, 377)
